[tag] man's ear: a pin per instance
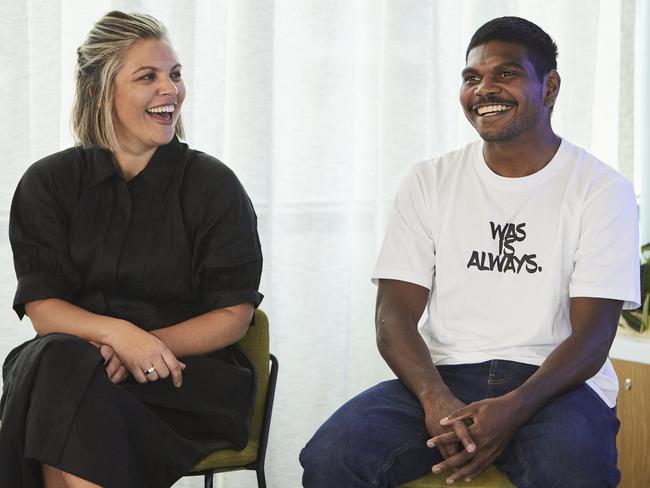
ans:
(552, 87)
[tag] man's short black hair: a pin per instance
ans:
(542, 50)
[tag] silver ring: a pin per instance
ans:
(147, 372)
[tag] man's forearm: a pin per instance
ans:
(407, 355)
(399, 307)
(574, 361)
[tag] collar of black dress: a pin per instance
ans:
(157, 172)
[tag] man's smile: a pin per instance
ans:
(489, 109)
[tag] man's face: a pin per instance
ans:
(501, 95)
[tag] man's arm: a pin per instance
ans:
(575, 360)
(399, 308)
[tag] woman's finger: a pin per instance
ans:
(151, 372)
(120, 374)
(113, 365)
(161, 368)
(106, 352)
(174, 366)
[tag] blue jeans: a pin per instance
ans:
(377, 439)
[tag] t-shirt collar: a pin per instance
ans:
(526, 182)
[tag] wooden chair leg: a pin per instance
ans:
(209, 480)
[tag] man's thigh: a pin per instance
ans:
(378, 438)
(570, 442)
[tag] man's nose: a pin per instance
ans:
(487, 86)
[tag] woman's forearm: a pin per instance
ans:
(207, 332)
(56, 315)
(202, 334)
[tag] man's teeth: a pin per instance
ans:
(161, 109)
(486, 109)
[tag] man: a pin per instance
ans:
(523, 249)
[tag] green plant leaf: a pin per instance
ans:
(633, 320)
(644, 314)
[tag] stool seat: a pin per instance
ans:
(490, 478)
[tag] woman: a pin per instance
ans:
(131, 251)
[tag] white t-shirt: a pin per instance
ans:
(502, 256)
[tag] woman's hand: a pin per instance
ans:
(115, 370)
(145, 356)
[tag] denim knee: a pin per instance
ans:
(335, 456)
(578, 451)
(357, 446)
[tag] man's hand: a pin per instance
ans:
(460, 438)
(493, 422)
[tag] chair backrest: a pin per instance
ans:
(255, 345)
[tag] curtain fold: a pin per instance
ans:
(320, 108)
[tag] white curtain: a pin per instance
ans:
(319, 107)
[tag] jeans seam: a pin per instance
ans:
(391, 459)
(524, 465)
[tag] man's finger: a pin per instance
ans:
(448, 450)
(465, 414)
(454, 461)
(468, 472)
(446, 438)
(463, 435)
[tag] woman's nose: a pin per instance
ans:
(168, 87)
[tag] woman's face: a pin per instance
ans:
(148, 95)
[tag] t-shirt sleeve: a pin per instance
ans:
(607, 258)
(39, 234)
(227, 264)
(408, 251)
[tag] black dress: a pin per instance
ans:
(178, 240)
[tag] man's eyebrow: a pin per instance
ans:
(153, 68)
(467, 71)
(511, 64)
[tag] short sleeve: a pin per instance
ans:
(38, 231)
(227, 261)
(408, 251)
(607, 258)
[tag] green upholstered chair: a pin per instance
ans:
(490, 478)
(256, 346)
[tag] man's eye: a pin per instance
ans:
(471, 79)
(507, 74)
(176, 75)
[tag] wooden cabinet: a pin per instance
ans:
(633, 409)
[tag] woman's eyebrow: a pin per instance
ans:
(153, 68)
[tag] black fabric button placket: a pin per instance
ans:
(119, 225)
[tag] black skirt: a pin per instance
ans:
(59, 407)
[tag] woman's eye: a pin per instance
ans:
(176, 75)
(147, 77)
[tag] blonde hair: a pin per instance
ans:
(98, 61)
